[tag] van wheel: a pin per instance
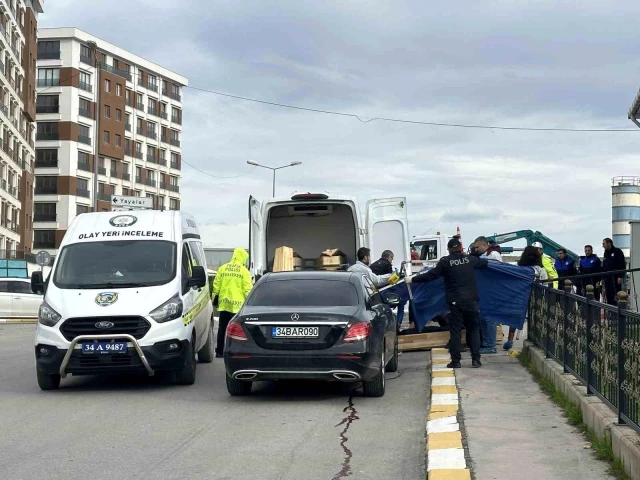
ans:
(48, 381)
(238, 388)
(393, 363)
(375, 387)
(206, 353)
(187, 374)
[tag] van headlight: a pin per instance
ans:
(47, 315)
(169, 310)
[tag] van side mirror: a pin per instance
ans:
(37, 283)
(393, 299)
(198, 277)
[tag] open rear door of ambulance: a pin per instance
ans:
(256, 238)
(388, 229)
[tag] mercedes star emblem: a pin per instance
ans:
(295, 317)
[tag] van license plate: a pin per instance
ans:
(104, 347)
(295, 332)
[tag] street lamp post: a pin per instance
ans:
(93, 48)
(273, 169)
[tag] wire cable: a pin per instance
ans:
(217, 176)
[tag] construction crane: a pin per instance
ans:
(549, 247)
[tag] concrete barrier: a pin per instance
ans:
(602, 420)
(19, 320)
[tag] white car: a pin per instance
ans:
(17, 299)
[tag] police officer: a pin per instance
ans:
(462, 296)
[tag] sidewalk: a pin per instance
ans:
(514, 431)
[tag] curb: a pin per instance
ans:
(445, 452)
(19, 320)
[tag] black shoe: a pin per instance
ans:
(476, 364)
(454, 365)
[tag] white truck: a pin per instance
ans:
(431, 248)
(313, 222)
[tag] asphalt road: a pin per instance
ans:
(140, 427)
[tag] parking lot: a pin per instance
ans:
(140, 427)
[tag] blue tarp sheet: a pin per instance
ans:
(503, 292)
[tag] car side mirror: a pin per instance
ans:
(37, 283)
(393, 299)
(198, 277)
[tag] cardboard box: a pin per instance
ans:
(286, 260)
(331, 259)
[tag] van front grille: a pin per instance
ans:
(137, 327)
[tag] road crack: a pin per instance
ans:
(352, 416)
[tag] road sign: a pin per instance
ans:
(43, 258)
(119, 202)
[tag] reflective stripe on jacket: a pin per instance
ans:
(233, 282)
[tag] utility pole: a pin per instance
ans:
(273, 169)
(94, 50)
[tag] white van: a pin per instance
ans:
(127, 292)
(311, 223)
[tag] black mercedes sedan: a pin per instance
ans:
(333, 326)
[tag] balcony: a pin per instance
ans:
(13, 191)
(105, 197)
(150, 183)
(49, 55)
(86, 60)
(152, 111)
(174, 188)
(140, 81)
(138, 179)
(81, 192)
(177, 120)
(127, 151)
(164, 139)
(138, 155)
(83, 112)
(127, 102)
(46, 190)
(140, 107)
(175, 96)
(115, 71)
(140, 131)
(153, 135)
(47, 163)
(84, 139)
(102, 171)
(152, 86)
(85, 86)
(84, 166)
(175, 142)
(164, 186)
(127, 127)
(44, 217)
(126, 176)
(47, 82)
(152, 159)
(47, 109)
(3, 184)
(165, 92)
(113, 174)
(43, 137)
(44, 244)
(175, 165)
(162, 161)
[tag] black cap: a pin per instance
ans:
(453, 244)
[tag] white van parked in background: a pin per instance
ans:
(311, 223)
(127, 292)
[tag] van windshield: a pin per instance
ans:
(116, 264)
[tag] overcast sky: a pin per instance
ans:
(544, 64)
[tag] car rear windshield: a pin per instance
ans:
(304, 293)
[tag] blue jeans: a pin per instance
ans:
(489, 330)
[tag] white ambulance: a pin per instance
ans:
(313, 222)
(127, 292)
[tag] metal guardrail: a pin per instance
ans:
(596, 342)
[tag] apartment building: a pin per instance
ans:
(108, 123)
(18, 51)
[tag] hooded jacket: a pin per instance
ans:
(233, 282)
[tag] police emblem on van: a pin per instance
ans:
(106, 298)
(123, 220)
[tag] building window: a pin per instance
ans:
(83, 184)
(139, 148)
(47, 131)
(47, 157)
(84, 132)
(175, 90)
(46, 185)
(48, 77)
(118, 141)
(107, 85)
(118, 89)
(85, 51)
(105, 137)
(151, 128)
(107, 111)
(47, 104)
(48, 50)
(80, 209)
(44, 212)
(118, 115)
(44, 239)
(83, 160)
(174, 204)
(140, 99)
(173, 181)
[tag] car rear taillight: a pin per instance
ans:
(235, 332)
(358, 332)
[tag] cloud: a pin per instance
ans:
(540, 64)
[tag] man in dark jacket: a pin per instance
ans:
(461, 292)
(590, 264)
(565, 266)
(613, 260)
(383, 266)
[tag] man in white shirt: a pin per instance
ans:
(362, 266)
